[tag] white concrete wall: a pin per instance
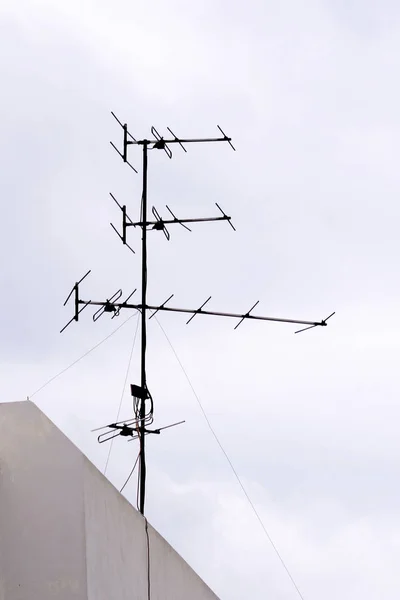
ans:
(66, 532)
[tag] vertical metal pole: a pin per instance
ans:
(76, 301)
(125, 127)
(142, 481)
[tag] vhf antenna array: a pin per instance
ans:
(137, 428)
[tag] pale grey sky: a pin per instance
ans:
(310, 94)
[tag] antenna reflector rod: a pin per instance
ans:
(126, 222)
(124, 125)
(122, 239)
(74, 289)
(124, 154)
(116, 118)
(75, 317)
(84, 277)
(115, 200)
(123, 157)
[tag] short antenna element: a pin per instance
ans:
(137, 427)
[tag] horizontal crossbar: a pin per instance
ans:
(208, 312)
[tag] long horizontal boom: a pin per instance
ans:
(178, 221)
(190, 311)
(234, 315)
(181, 141)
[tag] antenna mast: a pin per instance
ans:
(142, 465)
(136, 428)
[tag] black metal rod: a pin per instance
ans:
(116, 118)
(247, 314)
(127, 422)
(77, 301)
(75, 288)
(125, 128)
(124, 224)
(86, 274)
(176, 219)
(238, 316)
(168, 426)
(117, 232)
(159, 308)
(184, 141)
(123, 156)
(158, 430)
(69, 323)
(229, 140)
(228, 218)
(177, 139)
(179, 221)
(142, 476)
(115, 200)
(116, 150)
(305, 329)
(198, 310)
(210, 313)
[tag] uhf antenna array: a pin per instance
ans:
(138, 427)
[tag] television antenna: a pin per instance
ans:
(138, 427)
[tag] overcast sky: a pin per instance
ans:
(310, 93)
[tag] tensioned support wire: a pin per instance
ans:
(230, 463)
(76, 361)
